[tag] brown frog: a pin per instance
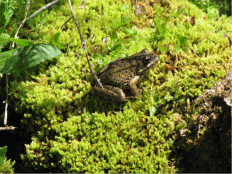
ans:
(124, 74)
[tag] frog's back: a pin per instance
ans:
(120, 78)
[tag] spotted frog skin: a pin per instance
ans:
(124, 74)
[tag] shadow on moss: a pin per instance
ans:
(208, 148)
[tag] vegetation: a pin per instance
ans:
(71, 131)
(6, 166)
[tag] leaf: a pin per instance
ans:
(163, 49)
(132, 32)
(5, 15)
(180, 126)
(213, 13)
(168, 97)
(23, 58)
(116, 48)
(21, 42)
(113, 35)
(3, 40)
(125, 7)
(125, 20)
(152, 110)
(55, 41)
(2, 154)
(98, 58)
(181, 100)
(183, 41)
(177, 48)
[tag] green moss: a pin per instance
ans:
(74, 132)
(7, 166)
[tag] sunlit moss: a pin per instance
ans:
(74, 132)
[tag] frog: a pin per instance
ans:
(123, 74)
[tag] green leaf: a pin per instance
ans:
(152, 110)
(23, 58)
(2, 154)
(213, 13)
(177, 48)
(132, 32)
(116, 48)
(21, 42)
(183, 41)
(55, 41)
(180, 126)
(163, 49)
(5, 15)
(125, 20)
(3, 40)
(98, 58)
(168, 97)
(113, 36)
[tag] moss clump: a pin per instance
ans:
(74, 132)
(7, 166)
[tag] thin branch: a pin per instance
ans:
(203, 37)
(229, 39)
(71, 16)
(7, 128)
(24, 20)
(42, 8)
(66, 22)
(6, 107)
(70, 66)
(83, 44)
(91, 35)
(82, 4)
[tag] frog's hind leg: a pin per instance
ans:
(133, 88)
(110, 93)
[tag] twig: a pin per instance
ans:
(91, 35)
(82, 4)
(83, 44)
(77, 55)
(6, 112)
(229, 39)
(24, 20)
(7, 128)
(42, 8)
(82, 1)
(66, 22)
(13, 45)
(203, 37)
(70, 66)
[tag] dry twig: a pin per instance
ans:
(7, 128)
(83, 44)
(66, 22)
(24, 20)
(42, 8)
(203, 37)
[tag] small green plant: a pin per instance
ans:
(210, 7)
(28, 55)
(5, 165)
(2, 154)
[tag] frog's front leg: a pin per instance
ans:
(134, 89)
(110, 93)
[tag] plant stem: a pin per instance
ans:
(83, 44)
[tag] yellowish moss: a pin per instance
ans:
(74, 132)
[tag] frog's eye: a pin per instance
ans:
(145, 51)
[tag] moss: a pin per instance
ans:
(74, 132)
(7, 166)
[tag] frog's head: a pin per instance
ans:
(149, 59)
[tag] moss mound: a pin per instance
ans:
(74, 132)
